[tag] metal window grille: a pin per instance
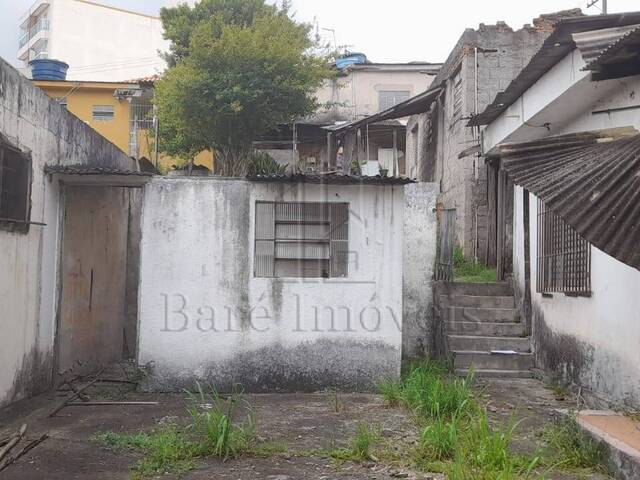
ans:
(457, 95)
(15, 189)
(141, 123)
(564, 257)
(301, 240)
(103, 113)
(390, 98)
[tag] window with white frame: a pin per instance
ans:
(564, 257)
(103, 113)
(301, 239)
(390, 98)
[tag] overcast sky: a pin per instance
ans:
(385, 30)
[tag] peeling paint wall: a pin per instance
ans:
(31, 121)
(204, 316)
(592, 341)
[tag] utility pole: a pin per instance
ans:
(591, 3)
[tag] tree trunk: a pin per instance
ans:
(231, 161)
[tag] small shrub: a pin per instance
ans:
(570, 447)
(261, 163)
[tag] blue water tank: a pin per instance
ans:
(48, 69)
(351, 59)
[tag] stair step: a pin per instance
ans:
(478, 301)
(488, 373)
(473, 314)
(496, 329)
(484, 289)
(486, 344)
(492, 361)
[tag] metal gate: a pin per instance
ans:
(446, 240)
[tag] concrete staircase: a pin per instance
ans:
(481, 320)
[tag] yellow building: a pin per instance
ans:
(120, 112)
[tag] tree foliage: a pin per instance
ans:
(237, 69)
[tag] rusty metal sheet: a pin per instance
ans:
(589, 179)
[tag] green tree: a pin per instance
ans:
(237, 69)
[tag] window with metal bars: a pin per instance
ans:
(15, 189)
(301, 240)
(564, 257)
(456, 105)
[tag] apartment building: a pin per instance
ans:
(95, 40)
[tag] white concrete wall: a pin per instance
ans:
(420, 226)
(197, 264)
(356, 95)
(103, 43)
(592, 340)
(31, 121)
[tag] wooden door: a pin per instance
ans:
(93, 275)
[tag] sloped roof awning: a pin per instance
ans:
(418, 104)
(591, 180)
(559, 44)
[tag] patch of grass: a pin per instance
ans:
(440, 439)
(570, 448)
(164, 450)
(430, 391)
(391, 390)
(268, 449)
(212, 431)
(468, 270)
(360, 447)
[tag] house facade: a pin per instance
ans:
(122, 112)
(566, 134)
(285, 284)
(360, 88)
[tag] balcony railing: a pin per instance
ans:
(40, 25)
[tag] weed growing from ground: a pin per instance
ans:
(467, 270)
(164, 450)
(361, 445)
(569, 447)
(213, 430)
(212, 422)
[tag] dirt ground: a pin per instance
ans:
(304, 422)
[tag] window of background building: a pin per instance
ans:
(456, 107)
(390, 98)
(302, 240)
(103, 113)
(15, 189)
(564, 257)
